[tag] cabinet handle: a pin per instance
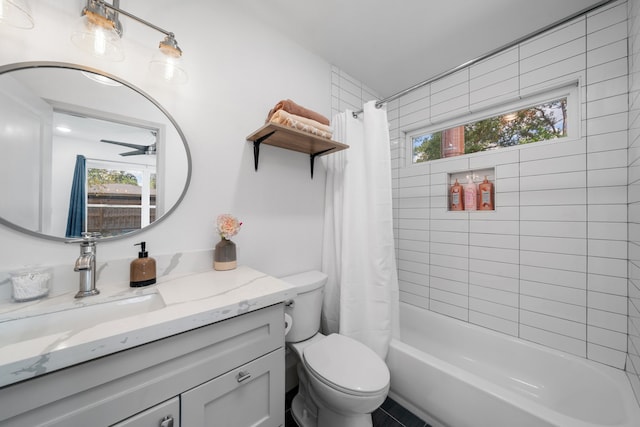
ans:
(166, 421)
(243, 376)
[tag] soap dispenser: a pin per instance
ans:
(143, 269)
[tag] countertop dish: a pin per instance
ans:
(57, 332)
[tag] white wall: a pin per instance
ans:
(549, 265)
(22, 143)
(238, 69)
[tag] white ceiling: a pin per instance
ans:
(391, 45)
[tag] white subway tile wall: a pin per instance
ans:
(605, 319)
(558, 261)
(549, 265)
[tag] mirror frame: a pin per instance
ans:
(53, 64)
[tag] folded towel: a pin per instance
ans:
(293, 121)
(282, 114)
(291, 107)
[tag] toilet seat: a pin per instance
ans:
(347, 365)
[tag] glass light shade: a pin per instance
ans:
(103, 80)
(166, 64)
(16, 13)
(97, 35)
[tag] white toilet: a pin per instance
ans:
(341, 381)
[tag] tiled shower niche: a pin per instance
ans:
(484, 201)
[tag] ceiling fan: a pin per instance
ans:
(139, 149)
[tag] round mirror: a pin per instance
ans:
(85, 151)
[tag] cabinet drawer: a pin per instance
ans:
(251, 395)
(166, 414)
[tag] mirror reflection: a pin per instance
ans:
(85, 152)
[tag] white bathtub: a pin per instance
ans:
(455, 374)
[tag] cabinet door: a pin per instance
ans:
(251, 395)
(166, 414)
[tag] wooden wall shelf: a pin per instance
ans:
(292, 139)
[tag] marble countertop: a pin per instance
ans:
(53, 333)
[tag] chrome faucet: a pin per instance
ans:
(86, 264)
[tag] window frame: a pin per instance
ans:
(569, 91)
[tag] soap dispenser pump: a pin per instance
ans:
(143, 269)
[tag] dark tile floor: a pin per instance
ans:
(390, 414)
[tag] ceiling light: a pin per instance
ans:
(98, 36)
(16, 13)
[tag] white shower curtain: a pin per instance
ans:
(361, 295)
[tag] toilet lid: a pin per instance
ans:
(347, 365)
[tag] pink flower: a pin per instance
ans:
(228, 226)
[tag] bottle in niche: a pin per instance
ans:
(470, 195)
(456, 197)
(486, 195)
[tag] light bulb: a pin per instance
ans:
(99, 42)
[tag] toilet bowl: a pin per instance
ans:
(341, 381)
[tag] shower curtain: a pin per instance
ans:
(358, 255)
(77, 200)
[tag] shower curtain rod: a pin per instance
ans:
(485, 56)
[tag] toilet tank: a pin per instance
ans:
(307, 304)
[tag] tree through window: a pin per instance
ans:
(538, 123)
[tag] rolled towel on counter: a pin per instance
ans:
(291, 107)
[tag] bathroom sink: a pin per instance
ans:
(76, 319)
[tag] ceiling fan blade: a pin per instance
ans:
(140, 149)
(125, 144)
(133, 153)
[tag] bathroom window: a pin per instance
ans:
(542, 118)
(120, 197)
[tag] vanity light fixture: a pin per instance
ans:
(100, 34)
(16, 13)
(166, 63)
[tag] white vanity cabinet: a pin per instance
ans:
(229, 373)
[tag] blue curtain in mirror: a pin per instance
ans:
(77, 201)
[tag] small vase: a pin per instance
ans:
(224, 257)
